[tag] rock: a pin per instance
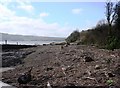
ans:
(66, 45)
(49, 68)
(61, 47)
(53, 43)
(62, 43)
(67, 53)
(88, 59)
(97, 66)
(110, 74)
(44, 44)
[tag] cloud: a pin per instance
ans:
(33, 26)
(76, 11)
(5, 13)
(44, 14)
(25, 5)
(5, 2)
(64, 0)
(13, 24)
(28, 8)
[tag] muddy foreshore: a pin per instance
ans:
(48, 62)
(13, 55)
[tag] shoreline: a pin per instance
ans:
(13, 55)
(48, 61)
(14, 46)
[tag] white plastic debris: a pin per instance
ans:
(48, 85)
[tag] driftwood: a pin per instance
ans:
(91, 78)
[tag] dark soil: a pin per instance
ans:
(68, 66)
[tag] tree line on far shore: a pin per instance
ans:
(106, 34)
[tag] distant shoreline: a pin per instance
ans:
(29, 42)
(20, 46)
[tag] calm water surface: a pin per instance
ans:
(29, 42)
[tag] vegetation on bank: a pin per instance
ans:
(106, 34)
(73, 36)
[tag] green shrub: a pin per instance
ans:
(74, 36)
(113, 43)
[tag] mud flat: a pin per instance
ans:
(13, 55)
(12, 46)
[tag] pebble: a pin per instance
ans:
(88, 59)
(97, 66)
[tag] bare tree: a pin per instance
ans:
(101, 22)
(113, 15)
(110, 14)
(117, 18)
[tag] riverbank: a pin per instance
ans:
(67, 66)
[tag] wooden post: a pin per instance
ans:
(5, 41)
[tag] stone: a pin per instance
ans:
(67, 53)
(49, 68)
(110, 74)
(88, 59)
(44, 44)
(97, 66)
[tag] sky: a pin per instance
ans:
(53, 19)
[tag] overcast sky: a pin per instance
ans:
(57, 19)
